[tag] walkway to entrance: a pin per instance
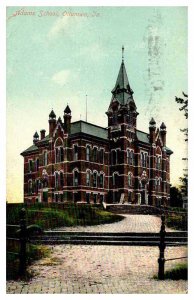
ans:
(131, 223)
(104, 269)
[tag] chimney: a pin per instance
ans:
(42, 134)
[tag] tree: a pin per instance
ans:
(184, 107)
(175, 197)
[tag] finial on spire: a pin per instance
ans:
(86, 107)
(123, 53)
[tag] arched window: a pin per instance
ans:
(128, 157)
(95, 154)
(45, 158)
(59, 151)
(75, 178)
(95, 179)
(88, 178)
(88, 153)
(115, 179)
(101, 180)
(75, 150)
(129, 180)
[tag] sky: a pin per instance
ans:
(57, 55)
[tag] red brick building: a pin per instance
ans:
(79, 161)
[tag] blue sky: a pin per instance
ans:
(58, 59)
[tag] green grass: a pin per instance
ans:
(57, 216)
(177, 273)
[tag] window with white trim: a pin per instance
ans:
(101, 180)
(95, 154)
(88, 153)
(75, 178)
(95, 179)
(88, 178)
(75, 152)
(129, 179)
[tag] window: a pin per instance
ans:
(158, 162)
(75, 178)
(130, 157)
(88, 178)
(95, 154)
(75, 152)
(59, 154)
(61, 179)
(114, 119)
(129, 180)
(45, 158)
(95, 179)
(87, 197)
(101, 180)
(115, 179)
(101, 156)
(30, 165)
(30, 187)
(88, 153)
(114, 157)
(144, 157)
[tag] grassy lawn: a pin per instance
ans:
(56, 215)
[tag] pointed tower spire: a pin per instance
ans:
(122, 91)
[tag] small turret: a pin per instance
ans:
(52, 122)
(67, 119)
(163, 133)
(35, 137)
(152, 129)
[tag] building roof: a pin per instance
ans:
(88, 128)
(30, 149)
(93, 130)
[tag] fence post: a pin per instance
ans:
(162, 246)
(23, 231)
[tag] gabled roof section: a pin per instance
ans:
(32, 148)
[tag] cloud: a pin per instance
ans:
(61, 77)
(58, 27)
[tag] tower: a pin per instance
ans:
(122, 119)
